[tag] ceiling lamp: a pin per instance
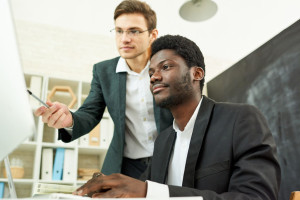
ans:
(198, 10)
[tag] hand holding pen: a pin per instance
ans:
(37, 98)
(56, 115)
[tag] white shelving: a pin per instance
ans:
(30, 151)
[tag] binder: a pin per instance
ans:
(94, 136)
(68, 171)
(47, 164)
(84, 140)
(2, 186)
(58, 164)
(104, 130)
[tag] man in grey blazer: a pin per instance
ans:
(122, 86)
(214, 150)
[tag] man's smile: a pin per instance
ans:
(156, 88)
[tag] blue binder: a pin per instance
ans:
(58, 164)
(1, 190)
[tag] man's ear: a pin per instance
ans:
(153, 35)
(198, 73)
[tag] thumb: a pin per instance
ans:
(49, 103)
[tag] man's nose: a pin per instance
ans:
(156, 76)
(125, 37)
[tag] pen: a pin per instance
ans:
(37, 98)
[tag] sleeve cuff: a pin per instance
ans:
(157, 190)
(69, 130)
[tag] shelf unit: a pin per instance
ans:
(30, 151)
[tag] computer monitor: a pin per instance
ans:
(16, 118)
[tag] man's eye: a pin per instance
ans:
(134, 32)
(119, 31)
(165, 67)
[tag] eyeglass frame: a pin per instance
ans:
(128, 32)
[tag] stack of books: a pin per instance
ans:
(47, 188)
(55, 191)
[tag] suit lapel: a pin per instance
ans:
(161, 160)
(199, 131)
(156, 116)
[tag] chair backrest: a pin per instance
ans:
(295, 195)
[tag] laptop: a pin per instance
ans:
(16, 118)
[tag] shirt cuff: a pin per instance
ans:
(69, 130)
(157, 190)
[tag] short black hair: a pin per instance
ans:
(184, 47)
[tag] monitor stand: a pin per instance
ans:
(11, 185)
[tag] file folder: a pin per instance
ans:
(47, 164)
(2, 186)
(69, 170)
(58, 164)
(84, 140)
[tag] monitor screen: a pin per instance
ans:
(16, 118)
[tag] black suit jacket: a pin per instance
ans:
(232, 155)
(108, 89)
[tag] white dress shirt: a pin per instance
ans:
(177, 160)
(140, 128)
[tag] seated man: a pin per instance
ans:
(214, 150)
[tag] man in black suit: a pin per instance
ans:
(214, 150)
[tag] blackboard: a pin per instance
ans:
(269, 78)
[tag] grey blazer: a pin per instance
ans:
(108, 89)
(232, 155)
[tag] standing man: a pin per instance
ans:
(220, 151)
(122, 85)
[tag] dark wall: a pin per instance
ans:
(269, 78)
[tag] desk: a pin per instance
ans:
(69, 196)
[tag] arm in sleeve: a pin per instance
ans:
(157, 190)
(89, 114)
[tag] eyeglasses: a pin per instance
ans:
(130, 33)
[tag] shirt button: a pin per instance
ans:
(150, 137)
(145, 119)
(140, 78)
(142, 100)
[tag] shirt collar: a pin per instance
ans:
(123, 67)
(192, 120)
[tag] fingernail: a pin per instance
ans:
(79, 192)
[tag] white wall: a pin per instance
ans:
(63, 38)
(66, 37)
(61, 52)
